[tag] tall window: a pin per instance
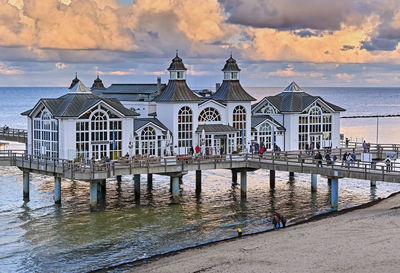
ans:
(45, 135)
(185, 127)
(239, 122)
(99, 134)
(315, 127)
(209, 114)
(148, 139)
(265, 136)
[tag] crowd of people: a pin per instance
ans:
(5, 128)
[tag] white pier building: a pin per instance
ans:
(135, 119)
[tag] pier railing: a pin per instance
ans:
(16, 135)
(296, 161)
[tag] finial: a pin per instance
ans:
(76, 75)
(177, 53)
(231, 54)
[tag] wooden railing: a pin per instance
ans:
(10, 134)
(300, 159)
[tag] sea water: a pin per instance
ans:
(40, 236)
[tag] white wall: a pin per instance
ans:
(127, 131)
(336, 130)
(67, 141)
(29, 146)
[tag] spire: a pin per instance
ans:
(231, 65)
(293, 87)
(74, 81)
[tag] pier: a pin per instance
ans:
(97, 173)
(15, 135)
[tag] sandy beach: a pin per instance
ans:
(363, 240)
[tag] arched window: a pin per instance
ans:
(265, 136)
(239, 122)
(185, 127)
(99, 126)
(148, 141)
(268, 109)
(209, 114)
(315, 117)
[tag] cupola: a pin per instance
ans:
(177, 69)
(97, 84)
(231, 69)
(74, 81)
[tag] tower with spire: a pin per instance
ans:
(74, 81)
(97, 84)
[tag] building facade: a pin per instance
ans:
(136, 119)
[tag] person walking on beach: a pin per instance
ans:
(275, 221)
(282, 219)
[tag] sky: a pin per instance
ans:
(312, 42)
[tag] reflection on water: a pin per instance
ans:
(40, 236)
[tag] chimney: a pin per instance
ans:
(158, 84)
(217, 86)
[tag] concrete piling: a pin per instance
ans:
(119, 178)
(314, 179)
(234, 176)
(94, 185)
(25, 176)
(198, 181)
(136, 186)
(243, 184)
(57, 190)
(334, 192)
(291, 176)
(272, 179)
(149, 181)
(175, 188)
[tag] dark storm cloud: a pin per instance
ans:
(308, 33)
(296, 14)
(347, 47)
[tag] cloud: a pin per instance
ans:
(344, 77)
(130, 71)
(60, 66)
(295, 14)
(290, 72)
(5, 70)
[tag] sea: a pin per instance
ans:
(39, 236)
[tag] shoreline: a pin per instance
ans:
(137, 264)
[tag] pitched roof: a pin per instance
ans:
(74, 81)
(294, 99)
(231, 65)
(79, 87)
(216, 128)
(129, 88)
(231, 90)
(177, 90)
(257, 120)
(176, 64)
(75, 104)
(140, 122)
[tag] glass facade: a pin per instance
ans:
(239, 122)
(45, 135)
(185, 127)
(209, 114)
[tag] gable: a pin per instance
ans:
(265, 107)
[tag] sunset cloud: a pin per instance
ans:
(5, 70)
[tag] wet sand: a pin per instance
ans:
(363, 240)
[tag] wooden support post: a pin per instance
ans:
(175, 188)
(291, 176)
(136, 178)
(334, 192)
(243, 184)
(170, 184)
(119, 178)
(198, 181)
(180, 180)
(314, 179)
(57, 189)
(102, 192)
(25, 176)
(329, 181)
(234, 176)
(272, 179)
(149, 181)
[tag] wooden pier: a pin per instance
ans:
(14, 135)
(97, 173)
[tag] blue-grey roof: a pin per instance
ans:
(75, 104)
(216, 128)
(257, 120)
(140, 122)
(231, 65)
(176, 64)
(231, 90)
(177, 90)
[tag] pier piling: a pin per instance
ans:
(272, 179)
(119, 178)
(175, 188)
(334, 192)
(136, 185)
(234, 176)
(291, 176)
(198, 181)
(25, 176)
(243, 184)
(149, 181)
(57, 189)
(94, 195)
(314, 179)
(373, 182)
